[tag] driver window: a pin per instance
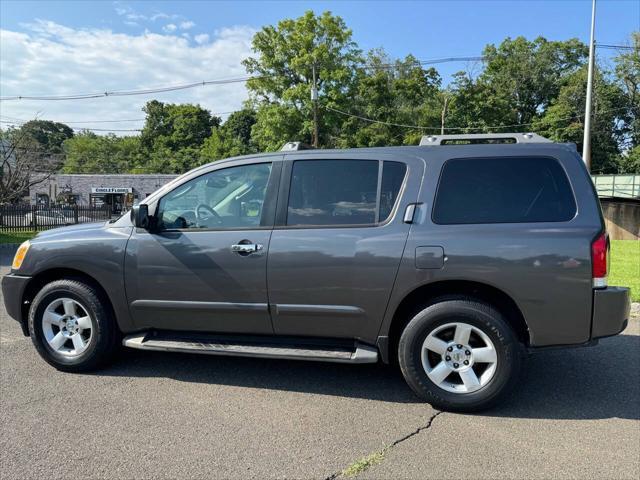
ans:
(228, 198)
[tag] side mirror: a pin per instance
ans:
(140, 216)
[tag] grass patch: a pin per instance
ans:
(359, 466)
(625, 266)
(16, 237)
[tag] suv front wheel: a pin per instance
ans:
(72, 327)
(460, 355)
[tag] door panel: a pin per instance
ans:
(203, 266)
(335, 281)
(191, 280)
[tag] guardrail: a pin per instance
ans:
(21, 218)
(617, 186)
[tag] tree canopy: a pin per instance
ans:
(286, 56)
(371, 99)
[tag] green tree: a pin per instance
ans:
(394, 93)
(47, 135)
(283, 67)
(87, 152)
(526, 76)
(172, 136)
(520, 79)
(627, 76)
(232, 138)
(175, 126)
(629, 161)
(563, 121)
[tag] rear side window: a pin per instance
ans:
(343, 192)
(392, 177)
(503, 190)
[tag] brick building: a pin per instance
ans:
(117, 191)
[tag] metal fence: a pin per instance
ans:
(21, 218)
(617, 186)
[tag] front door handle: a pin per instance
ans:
(246, 247)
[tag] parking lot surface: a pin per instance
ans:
(162, 415)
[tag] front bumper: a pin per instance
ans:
(611, 307)
(13, 287)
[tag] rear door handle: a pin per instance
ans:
(246, 247)
(409, 213)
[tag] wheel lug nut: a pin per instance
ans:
(448, 358)
(450, 349)
(455, 365)
(467, 352)
(466, 362)
(459, 346)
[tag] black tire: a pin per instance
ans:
(105, 335)
(477, 314)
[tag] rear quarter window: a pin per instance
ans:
(503, 190)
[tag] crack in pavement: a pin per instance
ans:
(418, 430)
(382, 452)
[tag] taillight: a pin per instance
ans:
(599, 254)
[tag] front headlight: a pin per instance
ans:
(20, 254)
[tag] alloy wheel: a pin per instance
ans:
(459, 357)
(67, 327)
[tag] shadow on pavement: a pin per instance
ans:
(584, 383)
(588, 383)
(371, 382)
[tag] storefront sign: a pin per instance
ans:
(111, 190)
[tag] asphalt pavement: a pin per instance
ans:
(163, 415)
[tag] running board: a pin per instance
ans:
(261, 347)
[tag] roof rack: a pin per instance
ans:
(292, 146)
(483, 138)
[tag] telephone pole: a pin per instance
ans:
(314, 99)
(443, 116)
(586, 142)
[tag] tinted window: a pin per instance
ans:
(392, 178)
(503, 190)
(227, 198)
(333, 192)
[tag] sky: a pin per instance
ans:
(72, 47)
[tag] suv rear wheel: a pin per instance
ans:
(72, 327)
(460, 355)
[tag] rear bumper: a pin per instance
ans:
(13, 287)
(611, 307)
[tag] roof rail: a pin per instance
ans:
(292, 146)
(480, 138)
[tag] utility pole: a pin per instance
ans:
(586, 142)
(314, 99)
(444, 113)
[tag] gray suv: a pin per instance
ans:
(454, 259)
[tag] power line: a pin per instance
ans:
(490, 127)
(614, 47)
(84, 128)
(22, 121)
(399, 64)
(122, 93)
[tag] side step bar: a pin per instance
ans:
(262, 347)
